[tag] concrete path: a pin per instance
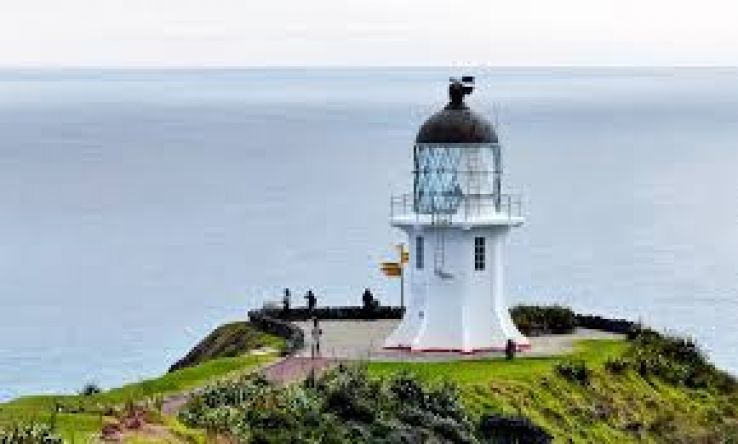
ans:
(363, 340)
(296, 368)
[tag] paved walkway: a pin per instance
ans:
(363, 340)
(296, 368)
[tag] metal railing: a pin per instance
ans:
(470, 207)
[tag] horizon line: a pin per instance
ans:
(372, 67)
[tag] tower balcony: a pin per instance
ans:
(468, 210)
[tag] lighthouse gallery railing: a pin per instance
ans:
(470, 207)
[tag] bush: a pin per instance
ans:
(575, 371)
(499, 429)
(444, 401)
(407, 390)
(344, 405)
(676, 360)
(451, 431)
(269, 322)
(539, 320)
(29, 434)
(620, 326)
(617, 366)
(90, 389)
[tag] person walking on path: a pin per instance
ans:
(316, 333)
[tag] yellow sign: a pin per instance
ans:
(391, 269)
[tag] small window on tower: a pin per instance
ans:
(419, 252)
(479, 253)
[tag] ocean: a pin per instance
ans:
(139, 209)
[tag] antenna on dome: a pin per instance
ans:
(459, 88)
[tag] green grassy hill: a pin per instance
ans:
(614, 404)
(223, 354)
(227, 341)
(646, 388)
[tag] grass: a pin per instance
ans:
(611, 408)
(88, 410)
(483, 371)
(229, 340)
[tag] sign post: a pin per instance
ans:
(396, 269)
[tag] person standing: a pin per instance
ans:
(312, 301)
(286, 300)
(367, 299)
(316, 333)
(510, 348)
(368, 303)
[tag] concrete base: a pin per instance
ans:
(456, 291)
(363, 341)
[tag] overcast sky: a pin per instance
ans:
(367, 32)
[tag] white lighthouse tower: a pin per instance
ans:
(457, 221)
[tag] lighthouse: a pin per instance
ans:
(456, 220)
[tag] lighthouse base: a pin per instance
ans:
(456, 292)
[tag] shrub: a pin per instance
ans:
(537, 320)
(407, 389)
(90, 389)
(575, 371)
(293, 335)
(676, 360)
(511, 429)
(451, 430)
(616, 366)
(444, 401)
(344, 405)
(29, 434)
(621, 326)
(350, 394)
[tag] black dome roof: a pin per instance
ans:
(456, 123)
(456, 126)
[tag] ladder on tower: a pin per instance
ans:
(439, 251)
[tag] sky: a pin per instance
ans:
(165, 33)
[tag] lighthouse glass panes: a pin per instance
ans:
(448, 176)
(479, 253)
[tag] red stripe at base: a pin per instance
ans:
(519, 347)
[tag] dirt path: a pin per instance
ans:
(284, 371)
(173, 403)
(297, 368)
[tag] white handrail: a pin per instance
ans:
(469, 206)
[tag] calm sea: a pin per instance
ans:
(140, 209)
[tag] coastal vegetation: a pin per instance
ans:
(644, 387)
(227, 341)
(347, 406)
(537, 320)
(76, 417)
(648, 388)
